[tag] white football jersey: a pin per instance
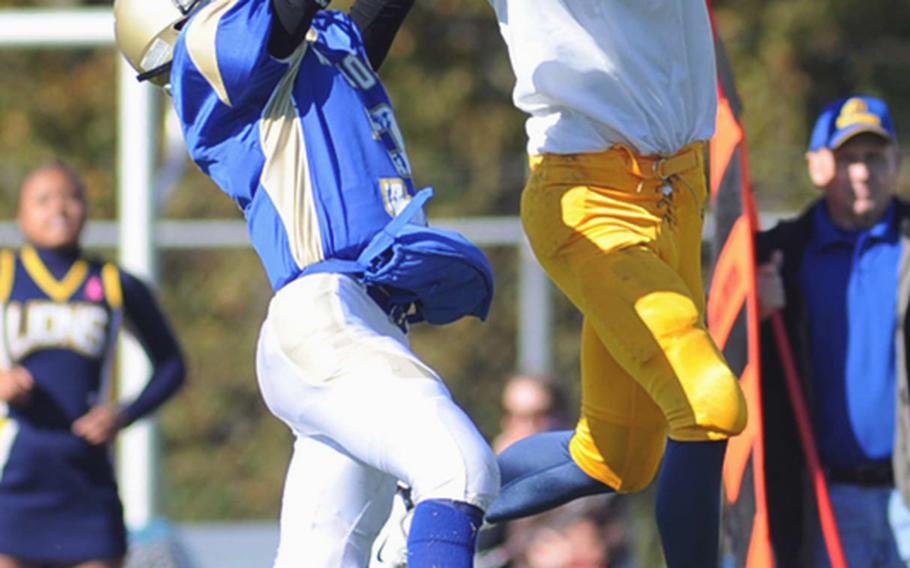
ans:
(594, 73)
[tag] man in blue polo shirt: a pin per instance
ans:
(840, 274)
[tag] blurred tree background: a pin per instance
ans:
(224, 456)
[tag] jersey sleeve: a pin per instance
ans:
(151, 328)
(225, 48)
(379, 22)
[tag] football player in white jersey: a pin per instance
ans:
(621, 97)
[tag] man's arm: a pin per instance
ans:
(292, 20)
(154, 333)
(102, 422)
(379, 22)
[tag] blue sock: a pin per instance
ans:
(688, 503)
(443, 534)
(538, 474)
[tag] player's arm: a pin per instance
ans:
(154, 333)
(379, 22)
(292, 20)
(101, 424)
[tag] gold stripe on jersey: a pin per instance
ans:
(57, 290)
(200, 44)
(7, 273)
(110, 276)
(7, 279)
(113, 290)
(286, 174)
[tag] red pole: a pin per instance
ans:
(801, 411)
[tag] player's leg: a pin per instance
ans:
(346, 372)
(332, 508)
(691, 474)
(621, 429)
(596, 242)
(538, 474)
(420, 436)
(333, 504)
(653, 330)
(688, 502)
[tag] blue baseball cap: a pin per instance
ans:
(846, 118)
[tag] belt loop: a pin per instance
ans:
(634, 166)
(659, 168)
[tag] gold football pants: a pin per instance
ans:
(620, 234)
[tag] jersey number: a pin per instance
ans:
(357, 72)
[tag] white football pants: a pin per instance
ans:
(366, 412)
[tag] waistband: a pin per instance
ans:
(627, 169)
(398, 313)
(380, 295)
(872, 475)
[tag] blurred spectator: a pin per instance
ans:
(60, 313)
(530, 404)
(588, 533)
(840, 274)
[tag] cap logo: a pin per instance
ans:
(856, 111)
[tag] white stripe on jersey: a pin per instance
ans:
(286, 173)
(6, 360)
(200, 44)
(8, 431)
(106, 389)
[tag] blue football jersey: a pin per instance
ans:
(308, 146)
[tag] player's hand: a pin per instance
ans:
(100, 425)
(16, 385)
(770, 285)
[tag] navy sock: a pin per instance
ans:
(538, 474)
(443, 534)
(688, 503)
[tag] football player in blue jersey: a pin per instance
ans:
(282, 107)
(59, 317)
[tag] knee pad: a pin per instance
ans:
(472, 478)
(460, 467)
(718, 409)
